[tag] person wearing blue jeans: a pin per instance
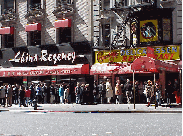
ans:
(77, 93)
(61, 94)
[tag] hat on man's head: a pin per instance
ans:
(148, 81)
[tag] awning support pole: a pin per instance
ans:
(134, 88)
(155, 88)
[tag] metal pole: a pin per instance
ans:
(154, 88)
(134, 87)
(180, 74)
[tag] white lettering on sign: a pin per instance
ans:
(26, 57)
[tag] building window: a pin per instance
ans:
(8, 40)
(64, 35)
(106, 34)
(35, 38)
(8, 4)
(166, 23)
(35, 4)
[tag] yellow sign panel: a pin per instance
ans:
(129, 55)
(148, 30)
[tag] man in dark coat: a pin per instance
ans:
(95, 91)
(32, 88)
(82, 92)
(77, 93)
(128, 90)
(101, 90)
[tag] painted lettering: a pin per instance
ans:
(157, 50)
(172, 56)
(138, 51)
(166, 56)
(168, 50)
(144, 51)
(124, 59)
(163, 50)
(174, 49)
(127, 52)
(160, 57)
(130, 58)
(44, 54)
(50, 57)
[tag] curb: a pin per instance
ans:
(139, 111)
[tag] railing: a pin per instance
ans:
(8, 15)
(60, 2)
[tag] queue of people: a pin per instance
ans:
(145, 92)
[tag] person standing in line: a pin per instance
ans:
(109, 91)
(16, 91)
(128, 90)
(61, 94)
(101, 92)
(87, 94)
(22, 95)
(82, 91)
(39, 93)
(32, 88)
(158, 94)
(118, 92)
(136, 92)
(140, 87)
(149, 92)
(10, 94)
(77, 93)
(95, 91)
(2, 96)
(27, 96)
(66, 94)
(52, 93)
(169, 91)
(45, 90)
(13, 92)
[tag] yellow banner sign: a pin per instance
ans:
(129, 55)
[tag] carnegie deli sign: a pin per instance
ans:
(129, 55)
(26, 57)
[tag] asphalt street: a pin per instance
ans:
(90, 124)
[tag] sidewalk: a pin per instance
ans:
(99, 108)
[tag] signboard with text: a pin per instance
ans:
(129, 55)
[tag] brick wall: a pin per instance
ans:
(21, 34)
(82, 21)
(50, 31)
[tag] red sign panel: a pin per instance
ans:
(84, 69)
(7, 30)
(150, 52)
(63, 23)
(33, 27)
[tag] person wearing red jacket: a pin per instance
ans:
(27, 95)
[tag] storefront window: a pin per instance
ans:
(8, 4)
(35, 4)
(64, 35)
(35, 38)
(8, 41)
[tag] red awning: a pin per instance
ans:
(7, 30)
(33, 27)
(106, 69)
(45, 70)
(149, 64)
(63, 23)
(180, 65)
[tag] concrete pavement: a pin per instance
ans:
(99, 108)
